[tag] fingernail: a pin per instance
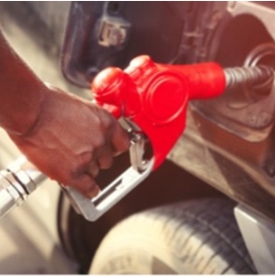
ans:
(93, 192)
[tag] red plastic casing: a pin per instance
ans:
(155, 96)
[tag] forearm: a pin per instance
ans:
(21, 92)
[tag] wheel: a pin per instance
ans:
(194, 237)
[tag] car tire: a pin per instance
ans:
(195, 237)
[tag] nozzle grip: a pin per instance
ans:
(94, 208)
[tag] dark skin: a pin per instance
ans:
(67, 138)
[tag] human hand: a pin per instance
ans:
(71, 140)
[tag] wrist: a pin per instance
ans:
(21, 92)
(22, 120)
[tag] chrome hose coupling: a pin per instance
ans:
(17, 181)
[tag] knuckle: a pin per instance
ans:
(107, 120)
(85, 158)
(96, 172)
(75, 170)
(99, 141)
(107, 163)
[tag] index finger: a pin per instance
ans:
(120, 140)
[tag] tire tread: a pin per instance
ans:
(202, 234)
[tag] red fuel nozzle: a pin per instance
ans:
(155, 96)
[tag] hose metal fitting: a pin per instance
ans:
(16, 182)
